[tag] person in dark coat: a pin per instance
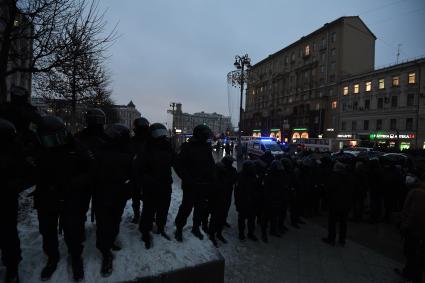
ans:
(92, 137)
(246, 193)
(15, 175)
(138, 145)
(196, 166)
(376, 185)
(155, 170)
(413, 230)
(227, 148)
(112, 190)
(340, 194)
(219, 200)
(274, 196)
(61, 196)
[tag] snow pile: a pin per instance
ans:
(132, 262)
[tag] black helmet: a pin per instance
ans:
(141, 126)
(249, 167)
(276, 166)
(118, 133)
(227, 160)
(52, 132)
(7, 130)
(158, 131)
(95, 117)
(202, 133)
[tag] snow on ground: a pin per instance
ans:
(299, 256)
(132, 262)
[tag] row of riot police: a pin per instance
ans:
(104, 166)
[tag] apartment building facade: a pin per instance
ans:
(293, 92)
(385, 106)
(185, 122)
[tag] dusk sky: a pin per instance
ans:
(181, 51)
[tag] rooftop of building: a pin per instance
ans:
(303, 38)
(390, 67)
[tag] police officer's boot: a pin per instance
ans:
(197, 232)
(49, 269)
(106, 269)
(77, 268)
(162, 232)
(147, 238)
(179, 234)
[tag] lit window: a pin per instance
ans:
(368, 86)
(345, 91)
(381, 83)
(396, 81)
(334, 104)
(356, 88)
(307, 50)
(412, 78)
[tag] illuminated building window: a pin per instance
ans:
(307, 50)
(334, 104)
(356, 88)
(381, 83)
(396, 81)
(345, 90)
(412, 78)
(368, 86)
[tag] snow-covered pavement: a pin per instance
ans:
(299, 256)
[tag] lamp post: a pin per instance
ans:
(237, 78)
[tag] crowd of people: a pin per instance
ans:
(106, 165)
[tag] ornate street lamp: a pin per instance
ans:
(238, 78)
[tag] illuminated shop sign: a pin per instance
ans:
(330, 130)
(381, 136)
(300, 129)
(345, 136)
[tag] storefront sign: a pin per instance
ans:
(387, 136)
(330, 130)
(345, 136)
(300, 129)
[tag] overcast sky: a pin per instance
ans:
(182, 50)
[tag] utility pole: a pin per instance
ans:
(173, 131)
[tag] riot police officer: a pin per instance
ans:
(14, 171)
(61, 194)
(111, 190)
(196, 166)
(155, 169)
(138, 144)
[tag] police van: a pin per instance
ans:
(257, 148)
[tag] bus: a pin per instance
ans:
(324, 145)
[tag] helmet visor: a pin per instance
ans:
(54, 139)
(159, 133)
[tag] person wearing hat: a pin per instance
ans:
(196, 166)
(155, 170)
(61, 195)
(112, 189)
(15, 172)
(413, 230)
(339, 194)
(220, 198)
(138, 145)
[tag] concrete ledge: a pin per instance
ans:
(209, 272)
